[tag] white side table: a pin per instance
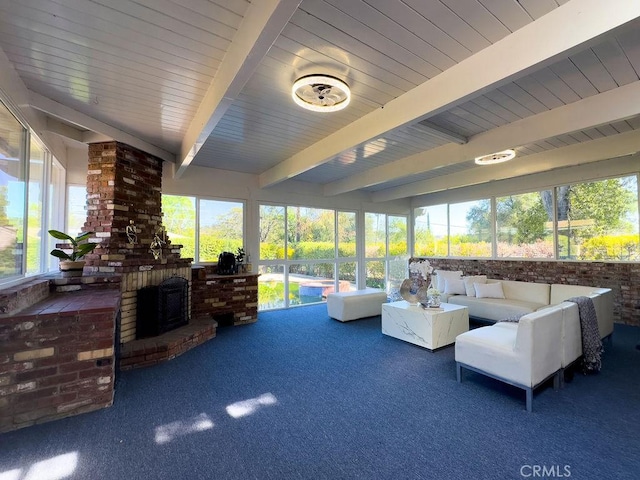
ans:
(428, 328)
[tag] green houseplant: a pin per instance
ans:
(71, 264)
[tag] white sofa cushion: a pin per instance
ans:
(526, 291)
(494, 308)
(488, 290)
(444, 275)
(347, 306)
(602, 301)
(454, 287)
(470, 280)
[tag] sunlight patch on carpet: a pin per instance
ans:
(244, 408)
(180, 428)
(55, 468)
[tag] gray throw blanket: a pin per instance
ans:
(591, 342)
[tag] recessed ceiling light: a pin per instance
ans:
(497, 157)
(321, 93)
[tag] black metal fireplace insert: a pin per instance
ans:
(162, 308)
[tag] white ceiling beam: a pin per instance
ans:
(601, 109)
(627, 143)
(559, 33)
(57, 110)
(259, 29)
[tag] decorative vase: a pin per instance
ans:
(71, 269)
(411, 292)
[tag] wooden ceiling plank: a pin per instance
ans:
(592, 68)
(600, 109)
(479, 18)
(258, 31)
(572, 155)
(616, 62)
(508, 59)
(510, 13)
(420, 26)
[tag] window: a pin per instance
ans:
(12, 194)
(35, 215)
(599, 220)
(179, 219)
(431, 228)
(218, 226)
(524, 225)
(386, 250)
(470, 230)
(305, 253)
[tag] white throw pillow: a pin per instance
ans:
(454, 287)
(470, 280)
(489, 290)
(444, 275)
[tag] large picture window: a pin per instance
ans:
(589, 221)
(386, 250)
(524, 225)
(599, 220)
(204, 227)
(305, 254)
(12, 194)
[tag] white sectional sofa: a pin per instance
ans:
(526, 297)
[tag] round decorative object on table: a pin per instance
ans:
(411, 294)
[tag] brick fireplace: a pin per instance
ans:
(124, 189)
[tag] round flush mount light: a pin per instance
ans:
(321, 93)
(497, 157)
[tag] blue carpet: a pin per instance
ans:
(301, 396)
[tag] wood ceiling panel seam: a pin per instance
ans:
(488, 104)
(45, 40)
(479, 18)
(509, 103)
(523, 97)
(355, 46)
(156, 15)
(572, 76)
(615, 61)
(591, 67)
(105, 95)
(140, 54)
(630, 44)
(483, 113)
(448, 21)
(422, 28)
(109, 34)
(538, 8)
(363, 33)
(472, 117)
(556, 85)
(510, 13)
(538, 91)
(394, 32)
(106, 81)
(59, 57)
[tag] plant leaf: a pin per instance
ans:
(60, 235)
(60, 254)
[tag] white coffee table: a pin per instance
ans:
(428, 328)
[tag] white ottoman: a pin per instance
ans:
(346, 306)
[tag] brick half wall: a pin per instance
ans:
(622, 278)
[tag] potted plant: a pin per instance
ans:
(71, 264)
(239, 259)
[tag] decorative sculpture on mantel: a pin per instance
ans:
(132, 233)
(157, 243)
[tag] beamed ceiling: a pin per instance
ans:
(435, 83)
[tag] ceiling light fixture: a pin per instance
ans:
(497, 157)
(321, 93)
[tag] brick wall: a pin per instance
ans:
(57, 358)
(219, 295)
(124, 184)
(622, 278)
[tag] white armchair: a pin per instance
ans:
(525, 354)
